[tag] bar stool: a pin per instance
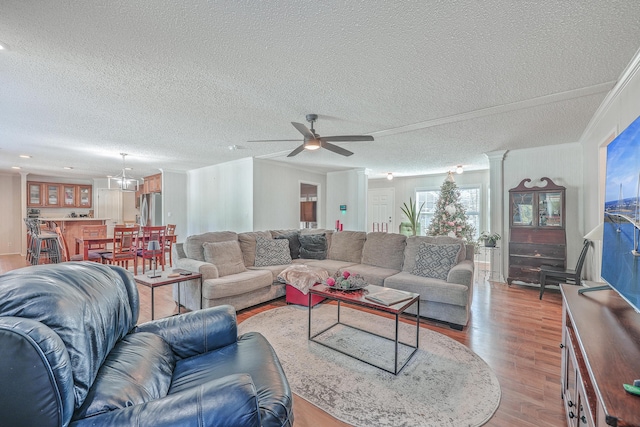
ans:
(44, 245)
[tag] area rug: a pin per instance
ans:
(443, 384)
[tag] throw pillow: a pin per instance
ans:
(226, 256)
(313, 246)
(272, 252)
(435, 261)
(294, 243)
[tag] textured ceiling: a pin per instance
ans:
(174, 84)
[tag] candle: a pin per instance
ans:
(341, 227)
(337, 224)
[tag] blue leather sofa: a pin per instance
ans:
(71, 354)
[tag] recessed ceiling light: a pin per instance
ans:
(3, 46)
(459, 169)
(68, 167)
(25, 156)
(16, 167)
(390, 176)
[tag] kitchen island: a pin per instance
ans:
(72, 227)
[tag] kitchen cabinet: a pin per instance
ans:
(152, 184)
(55, 195)
(34, 194)
(84, 196)
(537, 230)
(69, 196)
(51, 195)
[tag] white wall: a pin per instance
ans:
(220, 197)
(174, 202)
(618, 110)
(276, 199)
(11, 225)
(347, 188)
(406, 187)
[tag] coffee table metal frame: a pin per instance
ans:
(163, 280)
(396, 310)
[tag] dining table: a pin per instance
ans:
(86, 242)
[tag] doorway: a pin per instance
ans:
(380, 209)
(308, 205)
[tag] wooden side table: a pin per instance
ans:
(163, 280)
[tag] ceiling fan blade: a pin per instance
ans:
(303, 130)
(275, 140)
(346, 138)
(336, 149)
(296, 151)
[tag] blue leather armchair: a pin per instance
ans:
(70, 354)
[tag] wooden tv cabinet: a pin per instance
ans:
(600, 352)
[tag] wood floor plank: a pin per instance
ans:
(517, 334)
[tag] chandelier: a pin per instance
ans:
(122, 181)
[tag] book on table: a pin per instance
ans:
(388, 297)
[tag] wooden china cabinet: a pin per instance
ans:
(537, 230)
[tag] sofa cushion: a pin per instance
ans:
(193, 244)
(272, 252)
(414, 242)
(294, 242)
(137, 370)
(236, 284)
(69, 298)
(327, 234)
(384, 250)
(251, 355)
(226, 256)
(248, 245)
(435, 260)
(313, 246)
(372, 275)
(347, 246)
(430, 289)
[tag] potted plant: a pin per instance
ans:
(490, 239)
(413, 215)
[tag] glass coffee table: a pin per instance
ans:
(358, 298)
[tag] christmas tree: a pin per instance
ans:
(450, 218)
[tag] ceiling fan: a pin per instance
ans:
(313, 141)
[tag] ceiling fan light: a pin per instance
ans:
(312, 144)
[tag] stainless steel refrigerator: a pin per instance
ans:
(151, 209)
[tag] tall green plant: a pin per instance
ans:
(412, 214)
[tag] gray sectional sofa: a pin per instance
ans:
(241, 269)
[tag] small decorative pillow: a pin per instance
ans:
(435, 261)
(226, 256)
(313, 246)
(294, 243)
(272, 252)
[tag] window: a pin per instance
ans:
(469, 198)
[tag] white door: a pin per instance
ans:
(110, 207)
(380, 210)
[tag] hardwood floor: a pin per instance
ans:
(511, 329)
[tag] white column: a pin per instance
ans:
(496, 200)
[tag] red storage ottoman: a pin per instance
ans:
(294, 296)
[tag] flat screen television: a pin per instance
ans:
(620, 256)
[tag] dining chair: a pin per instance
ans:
(148, 234)
(93, 231)
(124, 248)
(64, 250)
(169, 239)
(558, 275)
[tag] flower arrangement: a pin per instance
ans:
(490, 239)
(346, 281)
